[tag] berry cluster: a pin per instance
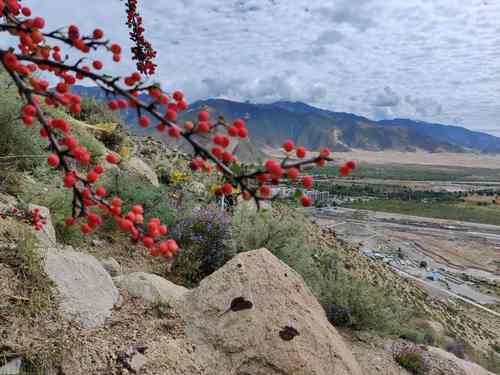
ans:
(30, 217)
(143, 52)
(81, 173)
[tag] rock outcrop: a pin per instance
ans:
(150, 287)
(86, 289)
(139, 167)
(256, 316)
(443, 360)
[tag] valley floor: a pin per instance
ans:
(455, 257)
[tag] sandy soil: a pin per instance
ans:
(423, 158)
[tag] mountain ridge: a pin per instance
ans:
(271, 123)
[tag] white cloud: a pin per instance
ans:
(347, 55)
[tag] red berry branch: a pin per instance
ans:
(30, 217)
(37, 52)
(142, 51)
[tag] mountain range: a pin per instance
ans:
(311, 127)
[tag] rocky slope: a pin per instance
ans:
(254, 315)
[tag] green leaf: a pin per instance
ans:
(297, 194)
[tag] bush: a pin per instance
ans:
(204, 239)
(96, 112)
(414, 336)
(348, 301)
(412, 358)
(132, 190)
(17, 139)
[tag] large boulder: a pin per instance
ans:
(443, 360)
(139, 167)
(150, 287)
(256, 316)
(87, 291)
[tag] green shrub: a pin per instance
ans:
(346, 299)
(412, 358)
(96, 112)
(133, 190)
(413, 362)
(20, 146)
(412, 335)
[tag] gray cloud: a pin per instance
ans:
(434, 60)
(425, 107)
(354, 13)
(386, 98)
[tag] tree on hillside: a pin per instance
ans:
(40, 50)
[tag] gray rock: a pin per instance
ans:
(255, 315)
(139, 167)
(137, 362)
(87, 291)
(460, 366)
(150, 287)
(12, 367)
(112, 266)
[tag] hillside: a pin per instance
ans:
(314, 127)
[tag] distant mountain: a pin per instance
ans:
(270, 124)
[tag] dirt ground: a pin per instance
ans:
(423, 158)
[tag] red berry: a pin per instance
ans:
(324, 152)
(26, 11)
(233, 131)
(301, 152)
(344, 170)
(148, 242)
(112, 158)
(86, 228)
(265, 191)
(144, 121)
(29, 110)
(137, 209)
(116, 49)
(28, 120)
(62, 87)
(38, 23)
(92, 177)
(178, 96)
(288, 145)
(100, 191)
(69, 180)
(70, 221)
(171, 115)
(239, 123)
(351, 164)
(227, 189)
(307, 182)
(242, 133)
(116, 202)
(293, 173)
(98, 34)
(174, 131)
(203, 116)
(203, 127)
(306, 201)
(53, 160)
(97, 64)
(182, 105)
(247, 196)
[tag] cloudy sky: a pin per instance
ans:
(434, 60)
